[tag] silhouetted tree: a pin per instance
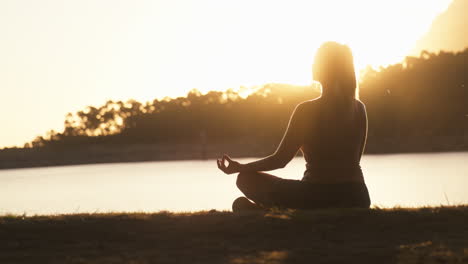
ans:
(419, 104)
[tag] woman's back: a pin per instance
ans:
(334, 139)
(330, 131)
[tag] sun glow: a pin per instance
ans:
(254, 42)
(60, 56)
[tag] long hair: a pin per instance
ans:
(334, 68)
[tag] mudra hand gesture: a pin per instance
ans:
(232, 166)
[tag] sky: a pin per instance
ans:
(59, 56)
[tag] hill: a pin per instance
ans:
(448, 32)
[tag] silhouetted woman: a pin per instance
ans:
(330, 131)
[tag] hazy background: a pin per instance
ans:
(60, 56)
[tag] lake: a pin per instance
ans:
(406, 180)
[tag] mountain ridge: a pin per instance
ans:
(448, 32)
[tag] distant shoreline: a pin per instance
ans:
(97, 154)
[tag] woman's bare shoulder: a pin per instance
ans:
(308, 104)
(361, 105)
(305, 109)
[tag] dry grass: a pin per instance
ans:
(424, 235)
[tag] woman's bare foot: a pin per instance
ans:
(243, 204)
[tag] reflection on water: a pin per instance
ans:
(402, 179)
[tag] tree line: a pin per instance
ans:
(420, 104)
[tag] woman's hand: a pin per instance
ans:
(232, 166)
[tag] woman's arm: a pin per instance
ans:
(364, 124)
(287, 149)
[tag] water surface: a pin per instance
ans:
(393, 180)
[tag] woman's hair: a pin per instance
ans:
(334, 69)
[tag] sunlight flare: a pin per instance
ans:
(87, 52)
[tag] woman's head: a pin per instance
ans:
(334, 69)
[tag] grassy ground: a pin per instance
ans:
(425, 235)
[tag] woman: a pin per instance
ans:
(330, 131)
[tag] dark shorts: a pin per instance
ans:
(269, 190)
